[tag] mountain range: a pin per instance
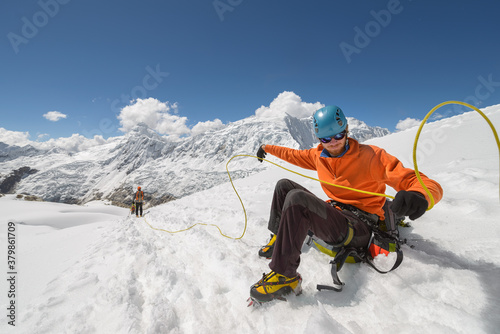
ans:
(165, 168)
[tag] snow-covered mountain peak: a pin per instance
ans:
(142, 130)
(166, 168)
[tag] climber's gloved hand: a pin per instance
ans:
(409, 203)
(261, 154)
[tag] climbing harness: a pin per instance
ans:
(384, 239)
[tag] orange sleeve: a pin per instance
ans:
(302, 158)
(392, 171)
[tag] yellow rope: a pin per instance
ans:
(204, 224)
(417, 173)
(314, 179)
(190, 227)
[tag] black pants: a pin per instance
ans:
(137, 206)
(295, 211)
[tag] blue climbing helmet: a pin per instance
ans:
(328, 121)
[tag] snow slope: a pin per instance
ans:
(106, 272)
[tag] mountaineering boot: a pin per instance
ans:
(267, 250)
(275, 286)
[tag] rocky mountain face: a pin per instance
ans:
(166, 169)
(9, 183)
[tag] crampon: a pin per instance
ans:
(256, 303)
(273, 286)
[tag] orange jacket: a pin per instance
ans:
(363, 167)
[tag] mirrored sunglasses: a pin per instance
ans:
(338, 136)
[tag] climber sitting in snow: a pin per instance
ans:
(138, 199)
(342, 161)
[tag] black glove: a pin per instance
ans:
(261, 154)
(409, 203)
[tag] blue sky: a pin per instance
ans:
(219, 61)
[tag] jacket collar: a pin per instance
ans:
(326, 154)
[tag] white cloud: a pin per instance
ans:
(14, 137)
(54, 116)
(437, 115)
(157, 115)
(288, 103)
(203, 127)
(407, 124)
(75, 143)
